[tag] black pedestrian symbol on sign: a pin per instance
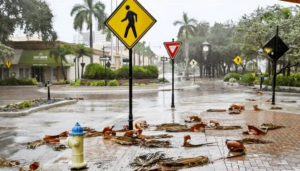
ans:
(238, 59)
(130, 17)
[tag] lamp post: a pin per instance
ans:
(163, 59)
(82, 66)
(206, 48)
(75, 67)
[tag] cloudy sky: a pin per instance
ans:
(165, 12)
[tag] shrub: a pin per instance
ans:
(123, 72)
(113, 83)
(136, 84)
(138, 72)
(232, 80)
(152, 84)
(94, 71)
(125, 84)
(163, 80)
(151, 71)
(142, 84)
(76, 83)
(232, 75)
(25, 104)
(247, 79)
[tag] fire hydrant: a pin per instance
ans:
(75, 141)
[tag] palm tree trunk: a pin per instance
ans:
(62, 69)
(78, 67)
(91, 39)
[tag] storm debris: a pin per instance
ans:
(186, 162)
(193, 119)
(74, 98)
(186, 142)
(157, 136)
(156, 143)
(235, 111)
(136, 133)
(108, 132)
(165, 126)
(275, 108)
(255, 141)
(256, 108)
(198, 127)
(227, 127)
(234, 106)
(215, 122)
(235, 146)
(127, 141)
(34, 144)
(289, 101)
(251, 99)
(252, 130)
(8, 163)
(59, 147)
(216, 110)
(51, 139)
(270, 126)
(147, 160)
(34, 166)
(90, 132)
(141, 124)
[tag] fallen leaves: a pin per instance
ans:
(8, 163)
(252, 130)
(34, 166)
(186, 142)
(256, 108)
(216, 110)
(193, 119)
(270, 126)
(235, 146)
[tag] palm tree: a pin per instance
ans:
(187, 26)
(59, 52)
(149, 53)
(81, 51)
(85, 12)
(140, 49)
(107, 32)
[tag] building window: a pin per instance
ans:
(26, 73)
(21, 73)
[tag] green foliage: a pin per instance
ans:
(138, 72)
(247, 79)
(123, 72)
(232, 75)
(152, 84)
(125, 84)
(14, 81)
(76, 83)
(232, 80)
(25, 104)
(151, 71)
(113, 83)
(34, 81)
(142, 84)
(94, 71)
(136, 84)
(163, 80)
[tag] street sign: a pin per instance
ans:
(193, 63)
(261, 75)
(294, 1)
(269, 47)
(172, 48)
(237, 60)
(130, 22)
(8, 63)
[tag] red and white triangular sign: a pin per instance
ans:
(172, 48)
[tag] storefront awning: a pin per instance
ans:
(42, 58)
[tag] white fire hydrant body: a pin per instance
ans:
(75, 142)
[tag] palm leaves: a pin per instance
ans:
(84, 14)
(59, 52)
(5, 53)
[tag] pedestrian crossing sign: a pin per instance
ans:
(130, 22)
(8, 63)
(237, 60)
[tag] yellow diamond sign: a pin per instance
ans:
(8, 63)
(237, 60)
(130, 22)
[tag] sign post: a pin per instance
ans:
(275, 48)
(193, 63)
(48, 84)
(172, 49)
(130, 22)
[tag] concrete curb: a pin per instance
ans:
(44, 107)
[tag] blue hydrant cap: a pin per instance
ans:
(77, 130)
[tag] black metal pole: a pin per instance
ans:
(261, 82)
(49, 90)
(130, 91)
(274, 68)
(173, 105)
(105, 72)
(194, 73)
(163, 71)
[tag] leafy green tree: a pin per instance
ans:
(84, 14)
(81, 51)
(59, 53)
(187, 26)
(31, 16)
(5, 53)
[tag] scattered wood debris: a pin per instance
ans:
(150, 159)
(90, 132)
(270, 126)
(275, 108)
(251, 99)
(74, 98)
(216, 110)
(255, 141)
(234, 106)
(108, 132)
(193, 119)
(140, 124)
(235, 111)
(215, 122)
(170, 125)
(51, 139)
(34, 144)
(127, 141)
(256, 108)
(156, 143)
(269, 100)
(136, 133)
(34, 166)
(185, 163)
(8, 163)
(289, 101)
(59, 147)
(157, 136)
(186, 142)
(235, 146)
(198, 127)
(227, 127)
(252, 130)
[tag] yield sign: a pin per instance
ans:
(130, 22)
(294, 1)
(172, 48)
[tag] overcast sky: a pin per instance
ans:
(165, 12)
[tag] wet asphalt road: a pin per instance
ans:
(98, 109)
